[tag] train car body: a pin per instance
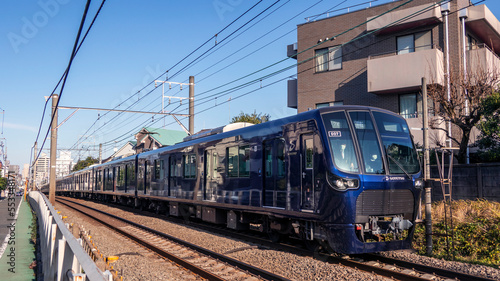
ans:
(347, 178)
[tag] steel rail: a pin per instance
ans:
(438, 272)
(426, 268)
(233, 262)
(193, 268)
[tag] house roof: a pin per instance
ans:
(163, 136)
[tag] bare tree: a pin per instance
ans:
(465, 107)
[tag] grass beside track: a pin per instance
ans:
(476, 227)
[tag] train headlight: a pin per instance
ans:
(419, 183)
(342, 184)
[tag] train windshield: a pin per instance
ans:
(368, 142)
(397, 143)
(342, 146)
(396, 147)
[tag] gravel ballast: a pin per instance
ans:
(138, 265)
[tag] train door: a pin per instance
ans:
(172, 174)
(267, 175)
(114, 179)
(273, 173)
(307, 171)
(147, 177)
(210, 175)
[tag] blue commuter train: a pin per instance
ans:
(346, 178)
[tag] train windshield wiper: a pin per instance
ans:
(397, 163)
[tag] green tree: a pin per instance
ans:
(82, 164)
(253, 118)
(3, 183)
(489, 140)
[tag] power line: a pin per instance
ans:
(197, 50)
(66, 71)
(281, 70)
(286, 68)
(73, 54)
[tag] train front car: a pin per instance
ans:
(373, 178)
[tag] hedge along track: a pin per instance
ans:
(203, 262)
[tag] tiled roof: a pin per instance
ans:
(165, 137)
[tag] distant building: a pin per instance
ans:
(26, 171)
(42, 169)
(124, 151)
(149, 138)
(64, 164)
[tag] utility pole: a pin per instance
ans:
(445, 10)
(427, 170)
(463, 14)
(53, 151)
(100, 153)
(33, 182)
(191, 105)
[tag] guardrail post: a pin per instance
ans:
(62, 254)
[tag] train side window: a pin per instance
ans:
(232, 161)
(130, 175)
(216, 163)
(173, 166)
(157, 169)
(244, 161)
(280, 158)
(268, 158)
(309, 153)
(190, 166)
(238, 161)
(162, 172)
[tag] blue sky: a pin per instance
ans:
(131, 43)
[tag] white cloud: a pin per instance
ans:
(20, 127)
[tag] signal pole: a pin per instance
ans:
(53, 151)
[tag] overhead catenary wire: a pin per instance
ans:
(228, 91)
(299, 13)
(286, 68)
(297, 63)
(184, 58)
(73, 54)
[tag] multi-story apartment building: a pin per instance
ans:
(378, 55)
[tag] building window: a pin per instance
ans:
(326, 104)
(471, 43)
(410, 105)
(414, 42)
(328, 59)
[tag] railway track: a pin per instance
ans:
(373, 263)
(202, 262)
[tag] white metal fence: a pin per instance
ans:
(63, 257)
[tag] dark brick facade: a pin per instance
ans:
(349, 84)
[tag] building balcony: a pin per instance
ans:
(401, 19)
(482, 59)
(390, 73)
(484, 25)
